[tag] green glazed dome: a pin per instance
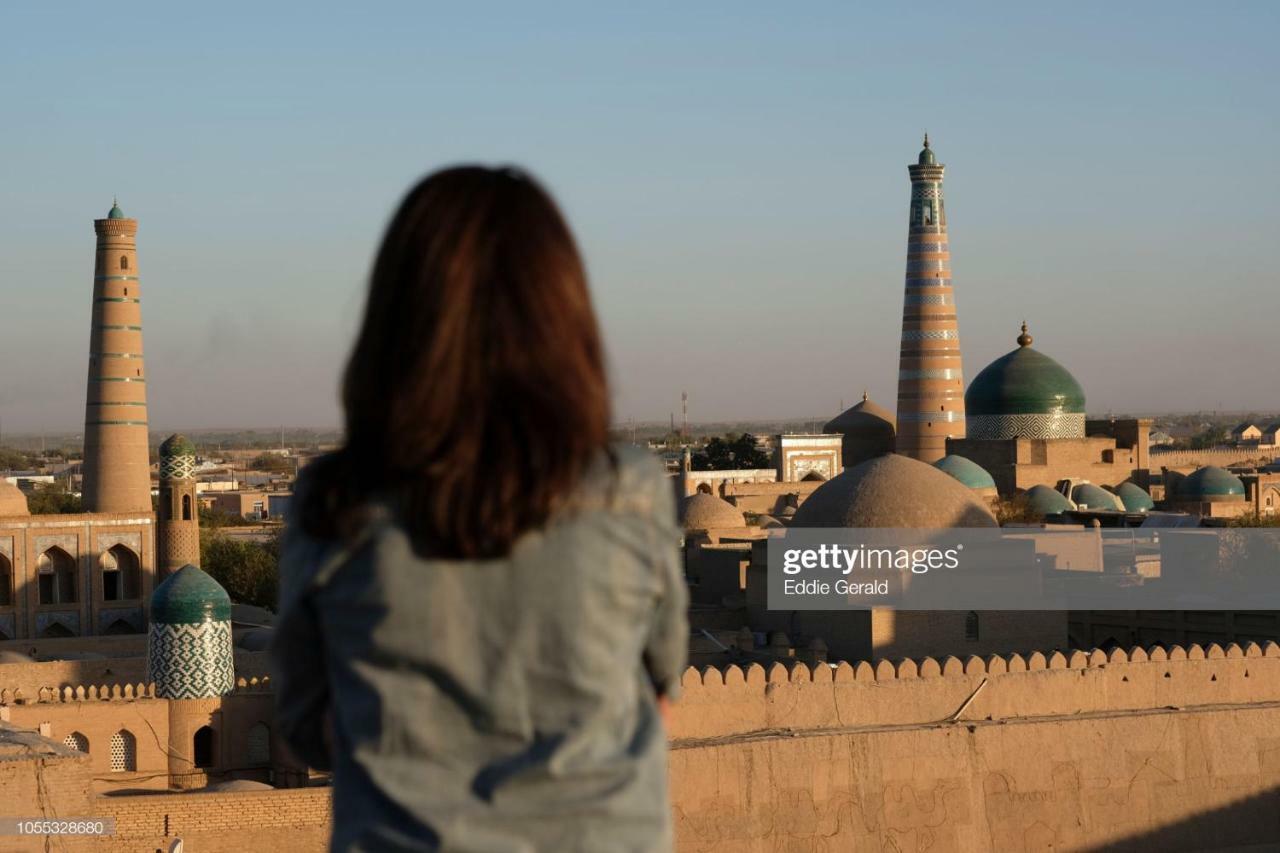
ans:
(190, 597)
(1043, 500)
(967, 471)
(1089, 496)
(115, 212)
(177, 445)
(1211, 483)
(926, 154)
(1134, 498)
(1024, 394)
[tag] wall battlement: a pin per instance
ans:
(739, 701)
(111, 692)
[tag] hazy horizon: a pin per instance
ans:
(736, 176)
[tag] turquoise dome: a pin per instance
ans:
(177, 445)
(1043, 500)
(1089, 496)
(926, 154)
(966, 471)
(1211, 483)
(1024, 394)
(1134, 498)
(190, 597)
(115, 212)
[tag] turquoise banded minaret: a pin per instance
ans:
(930, 378)
(117, 463)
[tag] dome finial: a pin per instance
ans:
(864, 395)
(1024, 340)
(926, 139)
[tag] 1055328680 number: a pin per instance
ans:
(57, 826)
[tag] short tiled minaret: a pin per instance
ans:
(117, 473)
(178, 522)
(930, 382)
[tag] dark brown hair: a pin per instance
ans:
(475, 396)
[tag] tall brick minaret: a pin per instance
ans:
(930, 383)
(117, 473)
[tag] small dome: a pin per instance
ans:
(1089, 496)
(190, 597)
(1211, 483)
(864, 418)
(926, 154)
(177, 445)
(1134, 498)
(1024, 394)
(115, 212)
(1042, 500)
(893, 491)
(787, 511)
(866, 429)
(12, 500)
(968, 472)
(708, 512)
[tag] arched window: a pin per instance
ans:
(121, 574)
(259, 744)
(166, 504)
(971, 626)
(186, 507)
(75, 740)
(124, 752)
(6, 582)
(124, 262)
(56, 577)
(202, 747)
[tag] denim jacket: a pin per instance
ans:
(497, 705)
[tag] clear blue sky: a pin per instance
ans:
(735, 172)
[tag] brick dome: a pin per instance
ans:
(708, 512)
(893, 491)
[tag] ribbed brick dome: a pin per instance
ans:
(893, 491)
(707, 512)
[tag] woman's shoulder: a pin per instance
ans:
(625, 478)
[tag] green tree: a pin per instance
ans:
(216, 519)
(14, 460)
(53, 499)
(273, 462)
(247, 569)
(730, 452)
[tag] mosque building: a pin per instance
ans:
(1027, 427)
